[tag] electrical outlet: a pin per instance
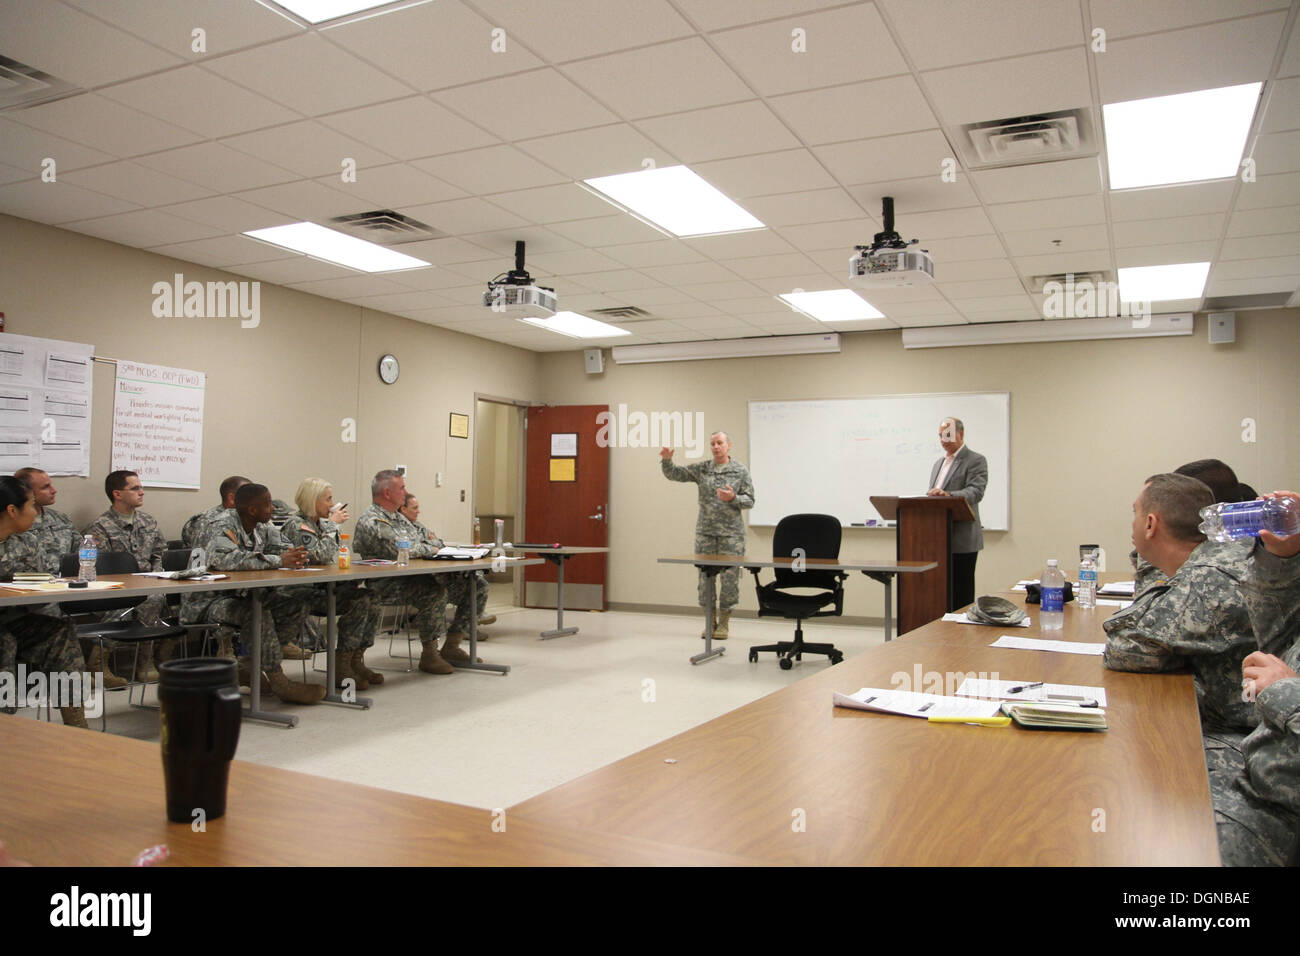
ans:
(437, 480)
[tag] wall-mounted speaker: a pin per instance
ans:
(1223, 328)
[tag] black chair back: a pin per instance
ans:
(817, 536)
(175, 545)
(107, 562)
(176, 559)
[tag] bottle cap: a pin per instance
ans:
(1051, 562)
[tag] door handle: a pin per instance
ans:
(596, 517)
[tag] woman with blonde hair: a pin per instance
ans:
(316, 528)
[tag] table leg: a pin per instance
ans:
(331, 641)
(254, 711)
(887, 579)
(560, 629)
(472, 664)
(710, 651)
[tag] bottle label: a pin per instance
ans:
(1053, 600)
(1087, 575)
(88, 554)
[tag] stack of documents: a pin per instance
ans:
(910, 704)
(463, 553)
(1055, 716)
(1117, 587)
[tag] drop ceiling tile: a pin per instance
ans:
(883, 297)
(12, 174)
(1067, 177)
(394, 186)
(926, 321)
(971, 270)
(789, 171)
(25, 148)
(144, 227)
(666, 78)
(135, 184)
(1258, 286)
(605, 27)
(1163, 202)
(980, 288)
(500, 246)
(930, 194)
(717, 14)
(790, 264)
(721, 294)
(226, 213)
(1166, 254)
(949, 32)
(1268, 191)
(221, 251)
(837, 46)
(1252, 268)
(303, 200)
(812, 282)
(1277, 152)
(607, 231)
(1059, 213)
(56, 202)
(695, 136)
(739, 245)
(1283, 110)
(662, 252)
(926, 226)
(310, 75)
(1120, 18)
(614, 280)
(169, 25)
(769, 307)
(602, 151)
(1042, 242)
(426, 45)
(309, 149)
(1151, 232)
(794, 209)
(576, 261)
(839, 236)
(962, 248)
(354, 286)
(464, 216)
(493, 169)
(444, 281)
(100, 123)
(532, 104)
(1020, 86)
(1085, 260)
(1175, 61)
(649, 298)
(560, 203)
(1263, 222)
(887, 159)
(927, 307)
(400, 303)
(1010, 304)
(716, 323)
(828, 116)
(690, 272)
(73, 46)
(1256, 246)
(409, 128)
(194, 99)
(684, 310)
(216, 167)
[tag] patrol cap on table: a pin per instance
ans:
(995, 610)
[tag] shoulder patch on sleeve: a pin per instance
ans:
(231, 536)
(306, 527)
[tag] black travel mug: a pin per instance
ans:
(200, 714)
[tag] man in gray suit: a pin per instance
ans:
(961, 473)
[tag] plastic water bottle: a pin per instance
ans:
(1232, 520)
(403, 552)
(86, 558)
(1052, 615)
(345, 553)
(1088, 580)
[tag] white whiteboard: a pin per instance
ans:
(828, 455)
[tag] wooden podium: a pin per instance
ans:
(924, 534)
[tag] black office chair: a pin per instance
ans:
(817, 536)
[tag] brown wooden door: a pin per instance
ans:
(567, 502)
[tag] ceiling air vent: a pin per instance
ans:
(1021, 140)
(385, 227)
(1258, 300)
(22, 86)
(1064, 279)
(623, 313)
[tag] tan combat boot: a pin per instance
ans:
(165, 650)
(359, 667)
(292, 652)
(74, 717)
(451, 648)
(720, 628)
(431, 661)
(704, 631)
(96, 662)
(293, 692)
(343, 669)
(246, 677)
(487, 619)
(225, 646)
(144, 669)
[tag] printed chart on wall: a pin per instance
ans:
(829, 455)
(45, 391)
(158, 424)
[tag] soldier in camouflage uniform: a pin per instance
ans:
(244, 540)
(1257, 807)
(725, 489)
(53, 530)
(194, 530)
(378, 530)
(315, 528)
(45, 644)
(458, 589)
(1196, 617)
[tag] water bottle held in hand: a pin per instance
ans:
(1234, 520)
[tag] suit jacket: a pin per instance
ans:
(967, 478)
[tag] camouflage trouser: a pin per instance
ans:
(1252, 832)
(356, 609)
(45, 644)
(282, 617)
(152, 611)
(728, 580)
(426, 593)
(458, 594)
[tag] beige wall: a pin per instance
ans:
(276, 394)
(1089, 421)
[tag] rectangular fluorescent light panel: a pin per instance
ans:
(577, 326)
(833, 305)
(676, 200)
(1184, 280)
(1182, 138)
(348, 251)
(318, 11)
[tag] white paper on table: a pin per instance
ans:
(473, 553)
(168, 576)
(1117, 587)
(1034, 644)
(302, 569)
(911, 704)
(1101, 602)
(959, 617)
(1048, 693)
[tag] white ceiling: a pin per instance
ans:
(179, 152)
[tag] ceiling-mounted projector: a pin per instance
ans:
(513, 293)
(888, 262)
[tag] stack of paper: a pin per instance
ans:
(910, 704)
